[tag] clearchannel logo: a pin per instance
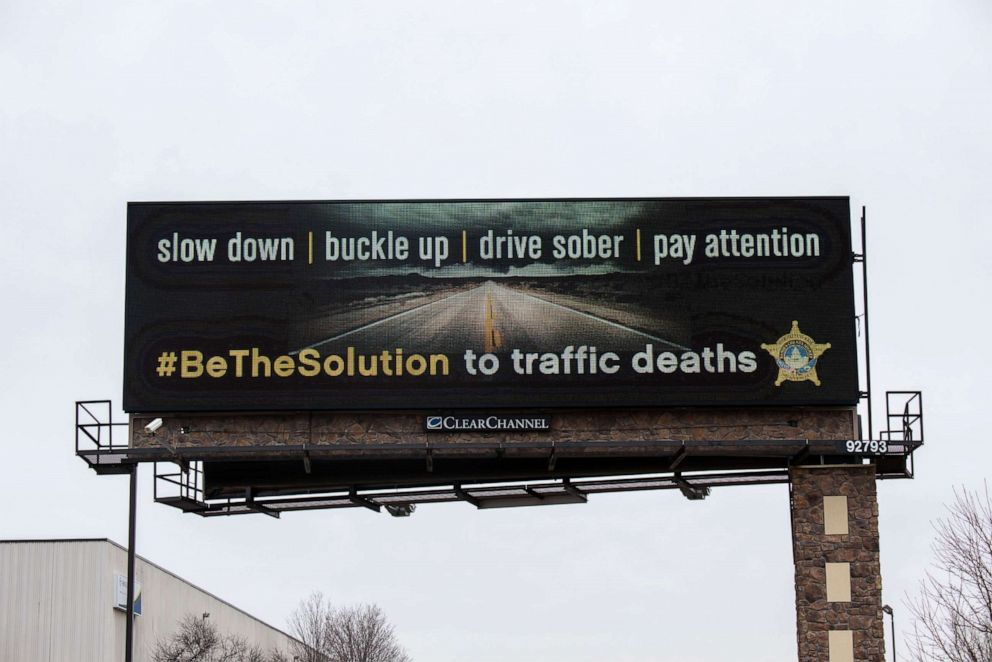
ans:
(487, 423)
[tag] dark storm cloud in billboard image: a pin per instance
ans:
(518, 303)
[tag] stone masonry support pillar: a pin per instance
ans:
(838, 577)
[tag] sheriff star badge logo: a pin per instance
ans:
(796, 355)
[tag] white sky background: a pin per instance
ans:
(888, 102)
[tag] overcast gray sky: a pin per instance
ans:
(888, 102)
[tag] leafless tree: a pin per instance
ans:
(346, 634)
(197, 640)
(192, 642)
(953, 611)
(309, 624)
(362, 634)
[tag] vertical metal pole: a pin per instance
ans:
(129, 627)
(864, 277)
(893, 617)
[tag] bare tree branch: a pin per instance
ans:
(197, 640)
(348, 634)
(953, 611)
(308, 624)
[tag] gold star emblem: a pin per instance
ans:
(796, 355)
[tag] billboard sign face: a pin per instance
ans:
(266, 306)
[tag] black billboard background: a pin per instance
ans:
(614, 302)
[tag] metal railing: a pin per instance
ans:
(95, 439)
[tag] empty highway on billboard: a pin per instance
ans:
(491, 318)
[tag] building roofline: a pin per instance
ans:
(154, 565)
(24, 540)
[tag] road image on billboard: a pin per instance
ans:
(263, 306)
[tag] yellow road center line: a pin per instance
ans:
(492, 339)
(638, 244)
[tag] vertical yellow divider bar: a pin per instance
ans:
(638, 244)
(310, 247)
(464, 246)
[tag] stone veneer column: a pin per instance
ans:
(841, 626)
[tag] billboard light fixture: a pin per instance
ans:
(690, 491)
(401, 509)
(154, 426)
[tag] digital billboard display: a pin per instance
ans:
(448, 304)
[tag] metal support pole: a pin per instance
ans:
(892, 615)
(864, 277)
(893, 619)
(133, 506)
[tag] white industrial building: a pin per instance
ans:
(63, 600)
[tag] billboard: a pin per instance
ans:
(449, 304)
